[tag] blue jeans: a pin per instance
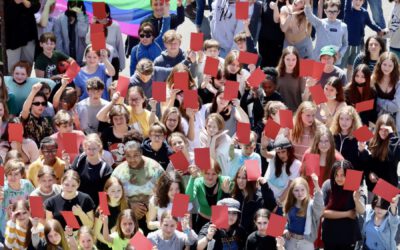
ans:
(377, 12)
(201, 5)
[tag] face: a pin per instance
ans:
(219, 82)
(38, 105)
(14, 177)
(95, 94)
(86, 241)
(69, 186)
(210, 177)
(359, 77)
(46, 183)
(158, 7)
(373, 46)
(133, 157)
(92, 58)
(268, 87)
(172, 121)
(22, 215)
(65, 128)
(330, 92)
(173, 189)
(262, 224)
(241, 180)
(48, 46)
(340, 178)
(380, 213)
(168, 227)
(54, 237)
(300, 192)
(135, 100)
(114, 192)
(324, 144)
(157, 137)
(127, 226)
(91, 149)
(357, 3)
(221, 102)
(212, 52)
(282, 154)
(119, 120)
(20, 75)
(248, 149)
(232, 218)
(146, 38)
(290, 62)
(212, 127)
(308, 118)
(345, 122)
(173, 47)
(328, 60)
(383, 133)
(387, 67)
(177, 143)
(233, 67)
(144, 77)
(332, 12)
(241, 45)
(49, 152)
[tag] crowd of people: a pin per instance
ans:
(126, 141)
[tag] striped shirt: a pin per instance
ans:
(15, 236)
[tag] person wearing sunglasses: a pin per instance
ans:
(150, 47)
(36, 127)
(330, 30)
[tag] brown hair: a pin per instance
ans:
(62, 117)
(232, 56)
(272, 108)
(290, 200)
(348, 110)
(240, 37)
(180, 68)
(123, 203)
(171, 35)
(140, 91)
(54, 225)
(163, 184)
(251, 186)
(118, 110)
(3, 89)
(336, 83)
(25, 205)
(23, 64)
(158, 127)
(352, 94)
(211, 43)
(380, 148)
(180, 135)
(145, 67)
(47, 36)
(332, 3)
(129, 213)
(14, 165)
(377, 75)
(94, 83)
(164, 118)
(71, 175)
(218, 119)
(281, 68)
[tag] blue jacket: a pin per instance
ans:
(152, 50)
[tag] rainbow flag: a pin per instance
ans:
(128, 13)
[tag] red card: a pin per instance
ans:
(196, 41)
(180, 206)
(256, 77)
(243, 132)
(202, 158)
(99, 10)
(68, 142)
(363, 134)
(181, 80)
(311, 68)
(190, 99)
(123, 85)
(385, 190)
(179, 161)
(15, 132)
(365, 105)
(159, 91)
(96, 27)
(276, 225)
(242, 10)
(252, 170)
(353, 180)
(72, 70)
(36, 204)
(2, 176)
(231, 90)
(98, 40)
(312, 164)
(318, 69)
(247, 57)
(211, 66)
(271, 129)
(140, 242)
(219, 216)
(103, 203)
(318, 94)
(70, 219)
(286, 118)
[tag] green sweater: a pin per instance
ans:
(196, 189)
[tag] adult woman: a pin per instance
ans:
(296, 28)
(340, 229)
(385, 78)
(333, 91)
(207, 189)
(373, 48)
(71, 199)
(251, 198)
(92, 169)
(36, 127)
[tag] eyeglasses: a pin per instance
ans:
(39, 103)
(157, 137)
(52, 151)
(332, 11)
(147, 35)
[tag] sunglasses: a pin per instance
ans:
(332, 11)
(39, 103)
(147, 35)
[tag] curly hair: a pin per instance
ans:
(163, 184)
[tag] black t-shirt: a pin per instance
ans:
(57, 203)
(112, 221)
(112, 143)
(93, 177)
(269, 29)
(256, 242)
(226, 239)
(49, 65)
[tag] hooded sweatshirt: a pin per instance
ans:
(161, 156)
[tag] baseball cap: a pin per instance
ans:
(328, 50)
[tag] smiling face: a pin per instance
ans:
(172, 121)
(114, 192)
(46, 183)
(69, 186)
(241, 180)
(133, 157)
(86, 241)
(330, 92)
(374, 46)
(54, 237)
(212, 127)
(332, 12)
(20, 75)
(210, 177)
(92, 58)
(387, 67)
(48, 47)
(158, 7)
(177, 143)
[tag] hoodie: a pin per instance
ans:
(164, 60)
(161, 156)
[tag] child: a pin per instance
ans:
(330, 30)
(47, 186)
(55, 237)
(303, 214)
(211, 48)
(258, 240)
(86, 239)
(381, 223)
(328, 56)
(239, 156)
(233, 70)
(127, 225)
(21, 229)
(168, 237)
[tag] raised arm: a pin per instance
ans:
(28, 102)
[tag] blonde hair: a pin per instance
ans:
(290, 200)
(63, 117)
(218, 119)
(14, 165)
(298, 127)
(272, 108)
(171, 35)
(350, 111)
(93, 138)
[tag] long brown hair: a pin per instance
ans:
(251, 186)
(298, 126)
(123, 203)
(163, 185)
(336, 83)
(129, 213)
(180, 68)
(380, 148)
(54, 225)
(377, 76)
(290, 200)
(281, 68)
(279, 163)
(352, 94)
